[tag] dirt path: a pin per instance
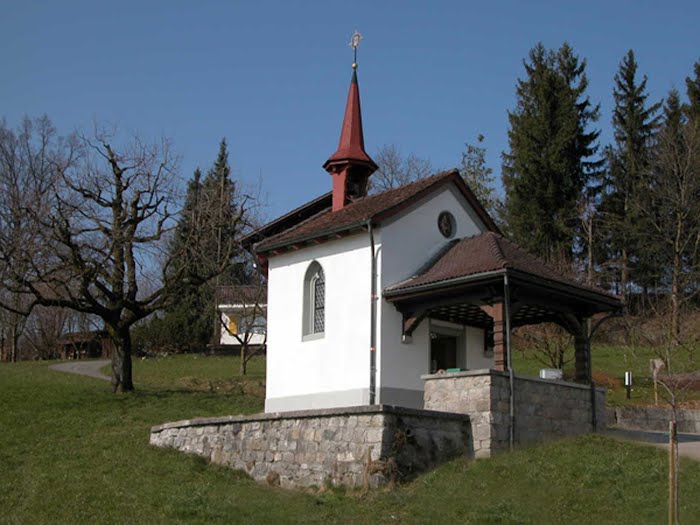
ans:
(688, 444)
(83, 368)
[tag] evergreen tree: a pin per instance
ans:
(202, 243)
(218, 194)
(626, 183)
(478, 176)
(550, 161)
(692, 109)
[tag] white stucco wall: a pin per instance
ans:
(476, 360)
(334, 370)
(235, 311)
(408, 241)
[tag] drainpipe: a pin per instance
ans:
(373, 321)
(509, 363)
(589, 371)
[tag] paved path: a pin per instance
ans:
(84, 368)
(688, 444)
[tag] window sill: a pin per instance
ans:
(313, 337)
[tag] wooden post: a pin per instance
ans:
(672, 494)
(497, 314)
(582, 347)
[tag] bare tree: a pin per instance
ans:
(548, 344)
(243, 316)
(673, 212)
(396, 170)
(27, 171)
(44, 329)
(98, 232)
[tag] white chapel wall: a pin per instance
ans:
(408, 242)
(331, 371)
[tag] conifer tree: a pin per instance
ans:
(551, 157)
(692, 109)
(203, 239)
(635, 124)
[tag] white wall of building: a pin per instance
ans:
(236, 312)
(476, 360)
(333, 370)
(407, 243)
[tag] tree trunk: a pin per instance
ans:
(624, 276)
(244, 359)
(121, 362)
(14, 336)
(675, 301)
(675, 284)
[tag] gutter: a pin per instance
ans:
(509, 364)
(446, 283)
(568, 289)
(305, 238)
(373, 320)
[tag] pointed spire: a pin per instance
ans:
(351, 146)
(350, 165)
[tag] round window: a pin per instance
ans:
(446, 224)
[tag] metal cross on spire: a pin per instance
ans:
(354, 42)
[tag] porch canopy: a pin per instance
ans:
(480, 280)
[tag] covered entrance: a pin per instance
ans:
(443, 352)
(489, 282)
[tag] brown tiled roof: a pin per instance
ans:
(484, 253)
(290, 219)
(241, 294)
(374, 207)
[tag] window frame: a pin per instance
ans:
(313, 275)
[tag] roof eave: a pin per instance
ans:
(456, 281)
(348, 228)
(599, 298)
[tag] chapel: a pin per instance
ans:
(368, 293)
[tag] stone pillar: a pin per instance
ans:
(497, 313)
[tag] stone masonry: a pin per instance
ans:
(653, 418)
(542, 408)
(358, 446)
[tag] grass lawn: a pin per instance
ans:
(72, 452)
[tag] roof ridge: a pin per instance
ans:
(299, 224)
(496, 249)
(422, 180)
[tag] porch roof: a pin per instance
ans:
(470, 272)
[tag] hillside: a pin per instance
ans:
(72, 452)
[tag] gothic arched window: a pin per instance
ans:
(314, 301)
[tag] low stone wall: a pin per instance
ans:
(653, 418)
(543, 408)
(357, 446)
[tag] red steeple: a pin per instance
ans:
(350, 165)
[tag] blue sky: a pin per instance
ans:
(272, 77)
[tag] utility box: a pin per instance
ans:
(551, 373)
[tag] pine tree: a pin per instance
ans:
(692, 109)
(203, 242)
(478, 176)
(186, 325)
(626, 185)
(550, 161)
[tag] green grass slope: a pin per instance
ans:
(72, 452)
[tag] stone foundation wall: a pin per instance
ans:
(653, 418)
(543, 408)
(358, 446)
